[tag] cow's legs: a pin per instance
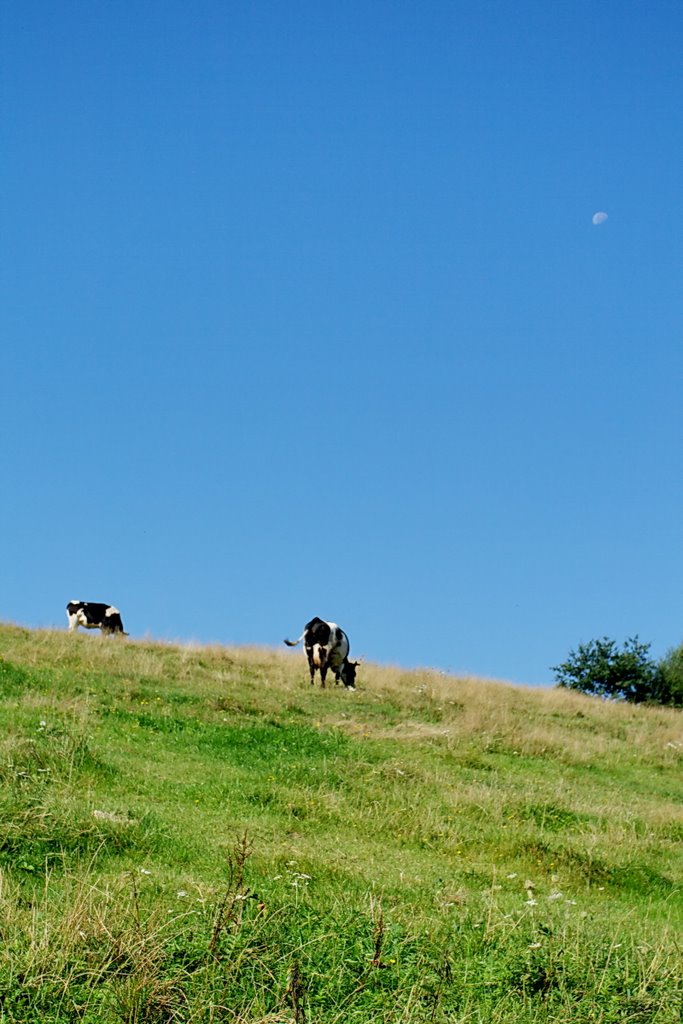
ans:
(323, 673)
(311, 667)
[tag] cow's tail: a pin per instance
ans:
(294, 643)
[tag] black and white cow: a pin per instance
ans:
(93, 615)
(327, 647)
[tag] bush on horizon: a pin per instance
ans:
(670, 681)
(600, 669)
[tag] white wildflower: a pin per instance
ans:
(144, 871)
(513, 874)
(181, 894)
(532, 903)
(535, 945)
(555, 895)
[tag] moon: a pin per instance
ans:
(599, 218)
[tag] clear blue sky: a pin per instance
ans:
(303, 313)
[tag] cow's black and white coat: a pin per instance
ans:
(94, 615)
(327, 647)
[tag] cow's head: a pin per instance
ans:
(348, 674)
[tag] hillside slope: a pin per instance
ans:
(196, 834)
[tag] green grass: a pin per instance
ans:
(197, 835)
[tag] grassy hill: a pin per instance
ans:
(195, 834)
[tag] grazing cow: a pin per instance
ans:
(327, 647)
(93, 615)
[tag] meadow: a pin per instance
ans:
(197, 835)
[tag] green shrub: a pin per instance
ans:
(670, 682)
(600, 669)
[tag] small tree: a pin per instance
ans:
(601, 669)
(670, 682)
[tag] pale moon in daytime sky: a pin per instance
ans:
(599, 218)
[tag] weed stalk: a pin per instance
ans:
(230, 909)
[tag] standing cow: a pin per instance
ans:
(327, 647)
(93, 615)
